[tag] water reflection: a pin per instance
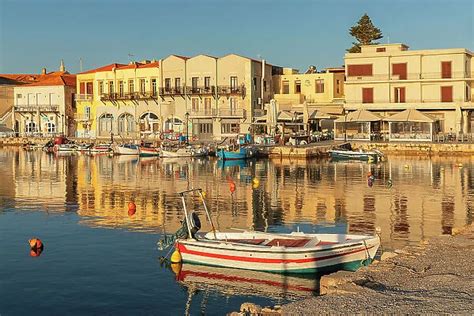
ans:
(428, 196)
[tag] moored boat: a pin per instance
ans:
(101, 149)
(183, 152)
(242, 153)
(373, 155)
(69, 147)
(126, 149)
(149, 151)
(295, 252)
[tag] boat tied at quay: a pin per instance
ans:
(296, 252)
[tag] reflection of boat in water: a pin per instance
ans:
(242, 163)
(295, 252)
(147, 160)
(126, 159)
(244, 282)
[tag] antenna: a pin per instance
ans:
(130, 55)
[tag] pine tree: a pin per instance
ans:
(365, 33)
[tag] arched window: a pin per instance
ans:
(126, 123)
(174, 124)
(105, 124)
(149, 123)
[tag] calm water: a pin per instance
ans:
(98, 259)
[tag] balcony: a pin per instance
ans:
(171, 91)
(227, 112)
(82, 117)
(136, 96)
(108, 96)
(36, 108)
(203, 113)
(201, 90)
(411, 76)
(83, 97)
(231, 90)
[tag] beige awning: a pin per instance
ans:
(360, 116)
(289, 116)
(410, 115)
(319, 115)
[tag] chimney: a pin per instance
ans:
(43, 71)
(61, 67)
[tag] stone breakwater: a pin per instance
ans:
(436, 276)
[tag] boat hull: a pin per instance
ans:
(348, 256)
(353, 155)
(181, 153)
(126, 150)
(243, 153)
(149, 152)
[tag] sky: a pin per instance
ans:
(292, 33)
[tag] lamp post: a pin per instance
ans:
(187, 128)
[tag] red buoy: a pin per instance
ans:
(232, 187)
(36, 247)
(132, 208)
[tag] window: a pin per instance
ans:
(338, 89)
(153, 87)
(230, 128)
(468, 95)
(19, 96)
(177, 84)
(82, 88)
(399, 70)
(195, 104)
(205, 128)
(380, 49)
(359, 70)
(142, 86)
(297, 86)
(89, 88)
(167, 84)
(87, 112)
(50, 127)
(131, 86)
(207, 83)
(207, 106)
(121, 88)
(233, 105)
(254, 84)
(367, 95)
(111, 87)
(399, 95)
(233, 83)
(101, 87)
(447, 94)
(285, 87)
(194, 83)
(319, 85)
(264, 85)
(446, 70)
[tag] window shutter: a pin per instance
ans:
(446, 69)
(400, 70)
(367, 95)
(359, 70)
(447, 94)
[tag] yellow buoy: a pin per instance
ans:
(176, 268)
(255, 183)
(176, 257)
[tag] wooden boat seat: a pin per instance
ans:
(288, 242)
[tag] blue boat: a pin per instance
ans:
(242, 153)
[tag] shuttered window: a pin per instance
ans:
(399, 95)
(82, 88)
(446, 70)
(447, 94)
(359, 70)
(367, 95)
(400, 70)
(89, 88)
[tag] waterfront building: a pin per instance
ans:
(311, 97)
(204, 97)
(45, 107)
(118, 99)
(389, 78)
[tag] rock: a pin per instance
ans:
(387, 255)
(401, 252)
(251, 308)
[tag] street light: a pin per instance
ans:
(187, 127)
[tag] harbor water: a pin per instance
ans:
(100, 258)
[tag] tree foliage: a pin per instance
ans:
(365, 33)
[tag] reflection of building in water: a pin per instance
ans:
(7, 187)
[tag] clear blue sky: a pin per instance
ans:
(292, 33)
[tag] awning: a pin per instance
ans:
(330, 108)
(4, 129)
(410, 115)
(360, 116)
(289, 116)
(319, 115)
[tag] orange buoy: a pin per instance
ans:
(35, 243)
(36, 253)
(132, 208)
(232, 187)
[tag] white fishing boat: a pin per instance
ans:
(296, 252)
(101, 149)
(127, 149)
(183, 152)
(70, 147)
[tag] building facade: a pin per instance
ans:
(45, 107)
(204, 97)
(390, 78)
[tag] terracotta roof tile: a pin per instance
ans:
(57, 78)
(103, 68)
(24, 78)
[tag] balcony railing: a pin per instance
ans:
(36, 108)
(231, 90)
(203, 113)
(109, 96)
(201, 90)
(137, 96)
(82, 117)
(430, 100)
(171, 91)
(83, 97)
(411, 76)
(240, 113)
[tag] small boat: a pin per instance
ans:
(184, 152)
(295, 252)
(69, 147)
(371, 156)
(84, 147)
(101, 149)
(242, 153)
(127, 149)
(149, 151)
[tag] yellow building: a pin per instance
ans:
(389, 78)
(309, 92)
(119, 99)
(205, 97)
